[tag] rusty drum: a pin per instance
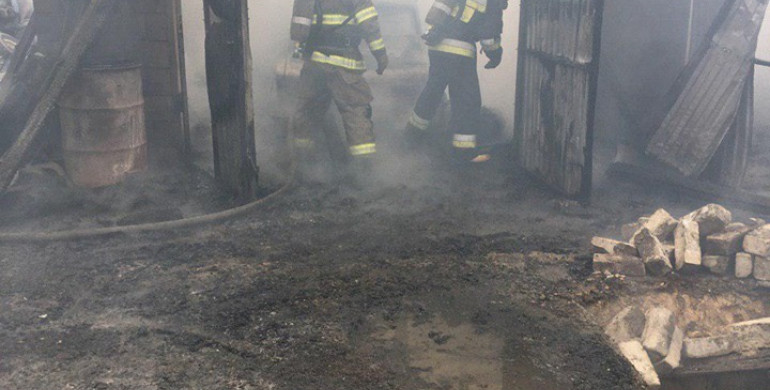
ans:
(101, 111)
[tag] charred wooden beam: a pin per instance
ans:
(228, 73)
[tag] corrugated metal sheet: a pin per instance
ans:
(557, 90)
(708, 104)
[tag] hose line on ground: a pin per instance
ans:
(158, 226)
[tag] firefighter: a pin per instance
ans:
(455, 27)
(328, 34)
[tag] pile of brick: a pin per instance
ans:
(706, 238)
(655, 346)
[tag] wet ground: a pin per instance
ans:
(432, 278)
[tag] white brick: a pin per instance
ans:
(658, 330)
(758, 241)
(706, 347)
(744, 265)
(711, 219)
(635, 354)
(619, 264)
(687, 245)
(761, 268)
(674, 357)
(628, 324)
(718, 265)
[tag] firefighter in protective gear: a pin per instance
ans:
(327, 34)
(455, 28)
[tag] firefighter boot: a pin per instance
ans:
(359, 173)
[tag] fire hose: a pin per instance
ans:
(185, 223)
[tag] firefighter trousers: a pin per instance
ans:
(458, 73)
(319, 85)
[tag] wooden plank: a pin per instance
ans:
(229, 74)
(556, 91)
(84, 33)
(705, 110)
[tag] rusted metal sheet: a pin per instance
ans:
(708, 104)
(102, 119)
(556, 92)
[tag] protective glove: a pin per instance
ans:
(382, 61)
(432, 37)
(495, 58)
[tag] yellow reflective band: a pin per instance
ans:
(365, 14)
(464, 141)
(454, 46)
(347, 63)
(303, 143)
(478, 5)
(491, 44)
(363, 149)
(468, 14)
(331, 19)
(377, 44)
(302, 21)
(418, 122)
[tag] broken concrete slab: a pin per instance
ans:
(652, 253)
(726, 243)
(717, 265)
(614, 247)
(744, 265)
(674, 358)
(661, 224)
(687, 245)
(627, 325)
(761, 268)
(658, 331)
(706, 347)
(619, 264)
(711, 218)
(757, 242)
(634, 352)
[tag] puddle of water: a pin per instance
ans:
(460, 356)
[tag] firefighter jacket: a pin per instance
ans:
(332, 30)
(462, 23)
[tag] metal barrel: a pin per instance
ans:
(101, 112)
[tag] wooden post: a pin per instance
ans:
(228, 74)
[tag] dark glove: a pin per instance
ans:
(382, 61)
(432, 37)
(495, 58)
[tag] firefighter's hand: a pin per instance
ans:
(495, 58)
(382, 62)
(432, 37)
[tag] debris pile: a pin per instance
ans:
(655, 345)
(705, 239)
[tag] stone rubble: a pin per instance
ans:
(706, 239)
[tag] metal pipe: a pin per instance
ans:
(759, 62)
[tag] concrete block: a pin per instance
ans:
(627, 325)
(652, 253)
(757, 242)
(707, 347)
(718, 265)
(613, 247)
(744, 265)
(726, 243)
(619, 264)
(674, 358)
(661, 224)
(634, 352)
(658, 331)
(687, 245)
(711, 219)
(761, 268)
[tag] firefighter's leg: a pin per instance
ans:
(433, 93)
(313, 99)
(353, 97)
(465, 95)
